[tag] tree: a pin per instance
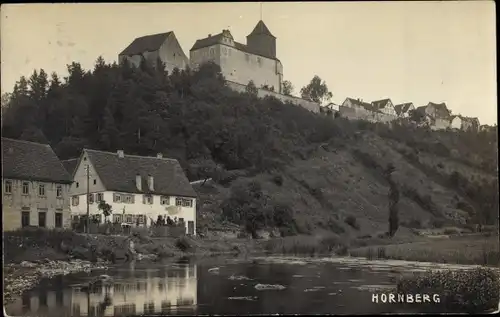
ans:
(287, 88)
(251, 89)
(416, 116)
(105, 208)
(393, 201)
(34, 134)
(316, 91)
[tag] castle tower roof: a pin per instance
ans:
(261, 28)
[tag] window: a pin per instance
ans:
(26, 188)
(165, 200)
(117, 198)
(191, 227)
(8, 187)
(25, 218)
(147, 199)
(77, 184)
(187, 203)
(41, 190)
(59, 191)
(184, 202)
(75, 218)
(128, 199)
(149, 308)
(90, 198)
(141, 219)
(58, 219)
(42, 219)
(75, 200)
(129, 219)
(95, 181)
(117, 218)
(99, 197)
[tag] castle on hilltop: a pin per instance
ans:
(240, 63)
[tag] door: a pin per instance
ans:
(25, 219)
(58, 219)
(191, 227)
(42, 220)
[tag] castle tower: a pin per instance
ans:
(261, 41)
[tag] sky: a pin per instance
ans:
(439, 51)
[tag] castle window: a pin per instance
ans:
(212, 51)
(247, 57)
(259, 61)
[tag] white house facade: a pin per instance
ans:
(138, 189)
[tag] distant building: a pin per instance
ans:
(256, 61)
(35, 186)
(470, 124)
(138, 188)
(357, 103)
(384, 106)
(437, 110)
(403, 110)
(163, 46)
(456, 122)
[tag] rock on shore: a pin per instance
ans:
(21, 277)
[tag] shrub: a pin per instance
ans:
(278, 180)
(352, 221)
(183, 244)
(468, 291)
(451, 231)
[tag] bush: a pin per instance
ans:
(183, 244)
(438, 223)
(352, 221)
(468, 291)
(278, 180)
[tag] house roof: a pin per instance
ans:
(119, 174)
(379, 104)
(148, 43)
(360, 103)
(403, 107)
(70, 165)
(261, 28)
(32, 161)
(441, 109)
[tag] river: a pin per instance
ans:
(229, 286)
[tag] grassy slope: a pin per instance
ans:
(336, 182)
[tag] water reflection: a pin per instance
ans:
(131, 292)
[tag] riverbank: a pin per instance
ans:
(20, 277)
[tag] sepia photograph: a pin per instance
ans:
(249, 158)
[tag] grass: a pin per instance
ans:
(466, 250)
(466, 291)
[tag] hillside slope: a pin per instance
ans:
(273, 164)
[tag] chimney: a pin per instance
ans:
(151, 183)
(138, 181)
(159, 155)
(209, 35)
(120, 153)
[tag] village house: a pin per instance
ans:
(437, 110)
(138, 188)
(385, 106)
(357, 104)
(163, 46)
(470, 124)
(403, 110)
(35, 186)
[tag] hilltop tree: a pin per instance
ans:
(287, 88)
(316, 91)
(251, 89)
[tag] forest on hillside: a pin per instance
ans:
(188, 115)
(192, 116)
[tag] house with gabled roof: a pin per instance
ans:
(438, 110)
(384, 105)
(403, 110)
(35, 186)
(138, 188)
(163, 46)
(241, 63)
(357, 104)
